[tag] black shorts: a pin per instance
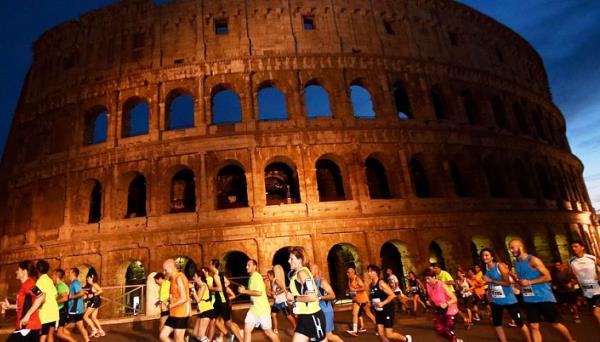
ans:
(281, 307)
(208, 314)
(594, 301)
(566, 297)
(312, 326)
(548, 310)
(46, 328)
(94, 302)
(164, 313)
(222, 310)
(361, 308)
(62, 317)
(177, 322)
(513, 310)
(385, 318)
(33, 336)
(467, 302)
(74, 318)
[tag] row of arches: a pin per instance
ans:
(493, 177)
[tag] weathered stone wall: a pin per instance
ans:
(135, 48)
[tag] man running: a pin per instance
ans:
(62, 297)
(164, 286)
(586, 268)
(534, 279)
(49, 309)
(180, 307)
(565, 288)
(443, 276)
(394, 284)
(221, 305)
(75, 304)
(259, 313)
(382, 298)
(360, 301)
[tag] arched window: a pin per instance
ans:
(521, 119)
(437, 100)
(419, 178)
(96, 125)
(183, 192)
(95, 212)
(495, 178)
(281, 184)
(469, 107)
(231, 188)
(362, 104)
(317, 102)
(329, 181)
(226, 107)
(546, 184)
(458, 181)
(136, 116)
(523, 178)
(179, 110)
(136, 197)
(402, 102)
(377, 179)
(499, 112)
(271, 104)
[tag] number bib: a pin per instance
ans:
(496, 291)
(374, 303)
(590, 288)
(527, 291)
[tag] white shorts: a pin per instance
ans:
(264, 321)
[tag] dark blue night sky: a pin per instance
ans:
(565, 33)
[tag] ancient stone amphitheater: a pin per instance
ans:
(368, 131)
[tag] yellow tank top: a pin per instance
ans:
(185, 309)
(205, 302)
(309, 285)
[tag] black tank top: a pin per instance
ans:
(378, 293)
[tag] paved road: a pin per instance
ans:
(419, 327)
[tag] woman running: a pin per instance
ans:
(445, 303)
(304, 296)
(206, 312)
(382, 298)
(416, 291)
(466, 298)
(279, 294)
(93, 304)
(501, 293)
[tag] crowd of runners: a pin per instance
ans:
(48, 309)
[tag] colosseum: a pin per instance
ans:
(394, 132)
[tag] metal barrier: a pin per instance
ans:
(123, 301)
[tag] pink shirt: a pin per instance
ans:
(437, 295)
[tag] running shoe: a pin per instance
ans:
(363, 330)
(352, 333)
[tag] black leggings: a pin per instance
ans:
(513, 310)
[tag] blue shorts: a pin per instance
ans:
(329, 325)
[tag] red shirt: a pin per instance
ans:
(25, 299)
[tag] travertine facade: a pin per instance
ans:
(481, 158)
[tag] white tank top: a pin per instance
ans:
(279, 298)
(585, 270)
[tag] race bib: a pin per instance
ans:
(376, 301)
(527, 291)
(496, 291)
(590, 288)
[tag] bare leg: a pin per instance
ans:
(271, 335)
(275, 323)
(563, 331)
(180, 335)
(333, 337)
(392, 335)
(525, 333)
(88, 320)
(536, 335)
(500, 333)
(165, 332)
(82, 331)
(597, 314)
(235, 329)
(248, 327)
(292, 321)
(64, 335)
(97, 321)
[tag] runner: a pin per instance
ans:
(49, 310)
(539, 301)
(478, 286)
(206, 312)
(220, 293)
(29, 299)
(586, 268)
(62, 298)
(394, 284)
(360, 301)
(326, 295)
(163, 298)
(443, 276)
(466, 298)
(497, 276)
(382, 298)
(179, 307)
(93, 305)
(565, 287)
(444, 301)
(416, 292)
(75, 304)
(259, 313)
(279, 294)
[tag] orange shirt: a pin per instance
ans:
(478, 286)
(183, 310)
(361, 296)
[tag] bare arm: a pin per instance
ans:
(62, 297)
(98, 289)
(217, 284)
(330, 294)
(281, 287)
(361, 285)
(311, 294)
(538, 265)
(388, 291)
(39, 300)
(451, 295)
(79, 294)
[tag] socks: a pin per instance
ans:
(354, 327)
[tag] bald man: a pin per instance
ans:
(180, 306)
(534, 279)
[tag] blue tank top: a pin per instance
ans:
(536, 293)
(501, 295)
(324, 304)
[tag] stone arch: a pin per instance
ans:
(88, 205)
(479, 242)
(331, 184)
(186, 265)
(362, 100)
(419, 177)
(231, 187)
(492, 170)
(136, 195)
(133, 275)
(272, 103)
(339, 258)
(183, 191)
(316, 100)
(95, 207)
(440, 108)
(226, 105)
(521, 118)
(394, 254)
(458, 180)
(95, 125)
(85, 270)
(499, 111)
(234, 265)
(281, 182)
(442, 252)
(135, 117)
(281, 258)
(562, 246)
(179, 109)
(524, 179)
(376, 178)
(469, 106)
(402, 101)
(542, 245)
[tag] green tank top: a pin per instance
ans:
(205, 304)
(309, 286)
